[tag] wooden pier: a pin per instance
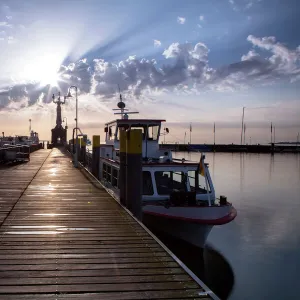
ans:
(64, 237)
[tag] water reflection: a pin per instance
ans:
(242, 171)
(271, 169)
(208, 264)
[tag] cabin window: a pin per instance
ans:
(106, 172)
(115, 177)
(118, 134)
(153, 131)
(167, 182)
(141, 127)
(196, 179)
(147, 183)
(111, 132)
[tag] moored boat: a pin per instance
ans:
(178, 196)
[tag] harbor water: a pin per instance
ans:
(257, 256)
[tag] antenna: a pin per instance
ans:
(121, 106)
(120, 93)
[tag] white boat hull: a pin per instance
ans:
(193, 233)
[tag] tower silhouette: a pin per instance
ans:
(59, 134)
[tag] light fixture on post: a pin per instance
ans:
(66, 122)
(69, 95)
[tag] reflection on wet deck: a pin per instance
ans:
(64, 237)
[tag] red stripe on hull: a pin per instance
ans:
(224, 220)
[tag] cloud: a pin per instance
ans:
(180, 20)
(243, 5)
(5, 24)
(201, 18)
(157, 43)
(185, 69)
(11, 40)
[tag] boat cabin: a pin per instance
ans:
(162, 175)
(150, 134)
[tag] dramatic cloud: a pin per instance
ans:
(185, 69)
(157, 43)
(180, 20)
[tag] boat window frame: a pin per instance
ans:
(152, 185)
(197, 183)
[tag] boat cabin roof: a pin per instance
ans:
(121, 122)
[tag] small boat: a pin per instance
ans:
(19, 140)
(178, 196)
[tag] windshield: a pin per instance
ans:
(169, 181)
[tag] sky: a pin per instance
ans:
(193, 61)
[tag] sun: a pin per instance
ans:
(45, 70)
(51, 79)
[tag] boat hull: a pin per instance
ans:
(191, 224)
(193, 233)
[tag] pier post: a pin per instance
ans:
(83, 150)
(122, 172)
(79, 149)
(96, 155)
(134, 172)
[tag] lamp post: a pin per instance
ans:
(66, 128)
(69, 95)
(29, 126)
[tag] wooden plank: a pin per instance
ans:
(91, 273)
(106, 255)
(51, 267)
(94, 280)
(144, 286)
(107, 260)
(140, 295)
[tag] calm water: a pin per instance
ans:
(262, 245)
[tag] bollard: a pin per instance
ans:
(79, 149)
(96, 155)
(83, 150)
(122, 172)
(134, 172)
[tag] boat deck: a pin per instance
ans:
(64, 237)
